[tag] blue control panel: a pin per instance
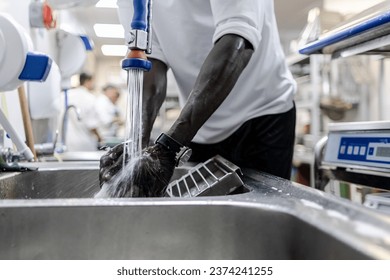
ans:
(365, 149)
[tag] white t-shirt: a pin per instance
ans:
(184, 32)
(78, 135)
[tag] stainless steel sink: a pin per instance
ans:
(275, 220)
(52, 180)
(59, 180)
(80, 156)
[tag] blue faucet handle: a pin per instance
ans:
(140, 17)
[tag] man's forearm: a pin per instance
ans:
(218, 75)
(155, 88)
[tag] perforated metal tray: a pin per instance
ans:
(217, 176)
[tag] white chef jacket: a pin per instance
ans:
(108, 113)
(184, 32)
(78, 135)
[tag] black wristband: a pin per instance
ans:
(169, 143)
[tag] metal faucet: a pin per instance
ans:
(139, 39)
(48, 148)
(7, 155)
(21, 146)
(64, 122)
(320, 181)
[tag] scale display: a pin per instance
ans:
(362, 148)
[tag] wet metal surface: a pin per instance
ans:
(60, 180)
(275, 220)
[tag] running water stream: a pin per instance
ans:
(132, 146)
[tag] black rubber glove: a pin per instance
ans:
(110, 163)
(146, 176)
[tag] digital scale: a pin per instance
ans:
(357, 152)
(362, 143)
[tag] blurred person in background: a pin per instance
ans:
(109, 112)
(82, 133)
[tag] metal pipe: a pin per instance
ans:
(319, 180)
(149, 30)
(63, 127)
(382, 89)
(16, 139)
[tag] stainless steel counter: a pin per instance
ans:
(277, 219)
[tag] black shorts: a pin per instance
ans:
(264, 143)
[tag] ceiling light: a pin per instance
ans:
(106, 4)
(114, 50)
(109, 30)
(349, 6)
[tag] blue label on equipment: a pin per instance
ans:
(365, 149)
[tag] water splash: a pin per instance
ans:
(120, 184)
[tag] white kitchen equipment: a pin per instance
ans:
(65, 4)
(45, 98)
(72, 54)
(18, 62)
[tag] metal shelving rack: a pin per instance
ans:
(367, 33)
(303, 154)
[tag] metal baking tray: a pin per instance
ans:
(215, 177)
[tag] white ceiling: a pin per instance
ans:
(291, 17)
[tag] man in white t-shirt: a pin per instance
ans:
(235, 88)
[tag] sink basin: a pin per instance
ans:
(50, 184)
(57, 180)
(52, 180)
(275, 220)
(80, 156)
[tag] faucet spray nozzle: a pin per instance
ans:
(139, 39)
